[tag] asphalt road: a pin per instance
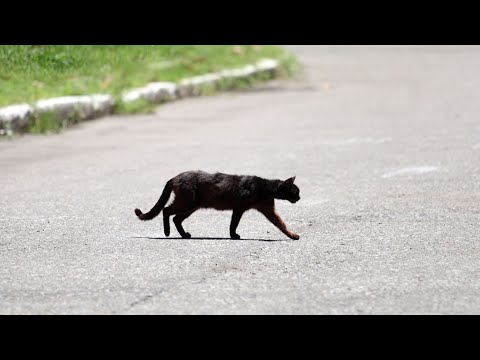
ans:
(385, 144)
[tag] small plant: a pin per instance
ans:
(289, 66)
(136, 107)
(6, 130)
(44, 123)
(208, 90)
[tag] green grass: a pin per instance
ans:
(33, 72)
(140, 106)
(45, 123)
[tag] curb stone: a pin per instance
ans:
(154, 92)
(81, 107)
(193, 86)
(15, 118)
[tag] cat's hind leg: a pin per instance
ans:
(166, 221)
(179, 206)
(236, 216)
(178, 219)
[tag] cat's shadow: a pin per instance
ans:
(206, 238)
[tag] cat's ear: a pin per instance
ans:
(290, 181)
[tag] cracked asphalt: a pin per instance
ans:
(385, 144)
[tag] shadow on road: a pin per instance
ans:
(205, 238)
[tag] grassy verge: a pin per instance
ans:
(32, 72)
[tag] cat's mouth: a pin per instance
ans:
(293, 201)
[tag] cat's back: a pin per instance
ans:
(199, 176)
(218, 190)
(217, 181)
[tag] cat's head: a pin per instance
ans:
(288, 191)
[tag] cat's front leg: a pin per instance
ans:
(236, 216)
(276, 220)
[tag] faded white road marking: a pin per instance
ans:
(476, 146)
(411, 170)
(361, 140)
(314, 202)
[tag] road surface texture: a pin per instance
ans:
(385, 144)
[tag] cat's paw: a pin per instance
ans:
(186, 236)
(294, 236)
(235, 236)
(167, 232)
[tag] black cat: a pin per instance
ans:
(197, 189)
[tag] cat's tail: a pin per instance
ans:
(158, 206)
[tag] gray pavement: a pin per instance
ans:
(385, 144)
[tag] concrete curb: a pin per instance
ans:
(15, 118)
(81, 107)
(154, 92)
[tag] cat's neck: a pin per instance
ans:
(271, 188)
